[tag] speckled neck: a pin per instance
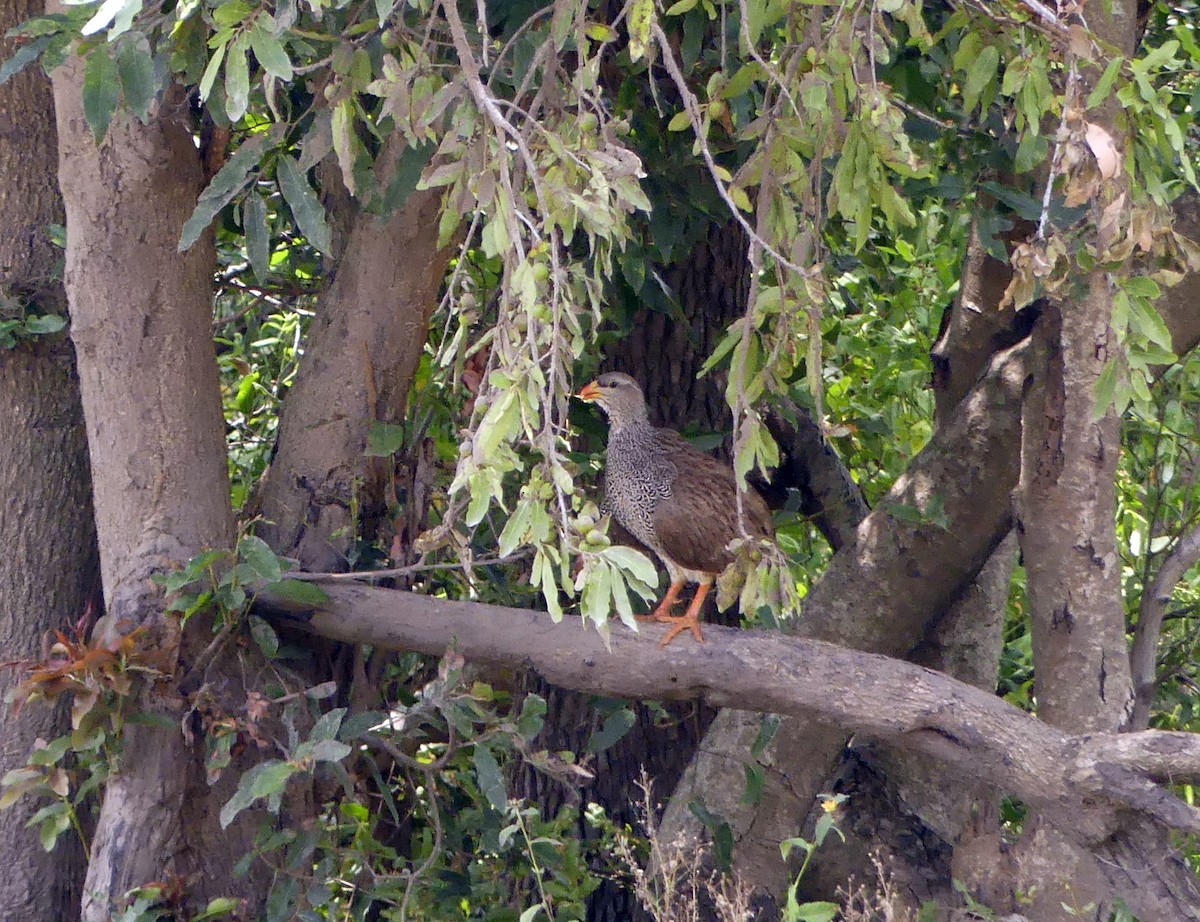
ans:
(627, 414)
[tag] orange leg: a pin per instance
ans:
(663, 611)
(690, 620)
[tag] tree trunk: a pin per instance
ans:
(49, 572)
(141, 315)
(889, 569)
(362, 354)
(1067, 526)
(901, 804)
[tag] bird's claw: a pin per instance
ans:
(679, 624)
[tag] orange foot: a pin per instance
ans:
(690, 620)
(663, 611)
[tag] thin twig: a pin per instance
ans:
(692, 107)
(435, 817)
(403, 571)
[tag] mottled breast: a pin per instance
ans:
(637, 475)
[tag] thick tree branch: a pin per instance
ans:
(1083, 784)
(810, 464)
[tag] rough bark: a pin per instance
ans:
(908, 571)
(791, 781)
(809, 463)
(1067, 525)
(141, 316)
(1068, 528)
(362, 353)
(1102, 792)
(49, 572)
(900, 803)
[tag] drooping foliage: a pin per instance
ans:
(582, 146)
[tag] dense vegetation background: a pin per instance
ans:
(925, 273)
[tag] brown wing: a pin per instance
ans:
(696, 524)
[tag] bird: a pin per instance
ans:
(676, 500)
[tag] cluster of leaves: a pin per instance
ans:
(1158, 506)
(70, 771)
(15, 329)
(224, 581)
(824, 128)
(421, 821)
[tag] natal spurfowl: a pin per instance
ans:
(675, 499)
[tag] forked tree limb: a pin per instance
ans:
(1086, 785)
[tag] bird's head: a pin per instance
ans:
(619, 396)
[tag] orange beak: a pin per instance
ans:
(590, 392)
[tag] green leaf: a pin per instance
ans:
(529, 914)
(1141, 286)
(360, 724)
(101, 90)
(816, 912)
(600, 32)
(329, 751)
(306, 207)
(754, 783)
(262, 780)
(245, 399)
(766, 732)
(1106, 389)
(232, 13)
(42, 324)
(634, 562)
(264, 635)
(237, 79)
(326, 727)
(23, 57)
(344, 141)
(515, 528)
(258, 235)
(640, 21)
(254, 552)
(491, 782)
(1105, 84)
(679, 121)
(616, 725)
(221, 906)
(533, 712)
(223, 188)
(211, 70)
(980, 73)
(110, 10)
(1149, 323)
(299, 591)
(384, 439)
(136, 70)
(270, 51)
